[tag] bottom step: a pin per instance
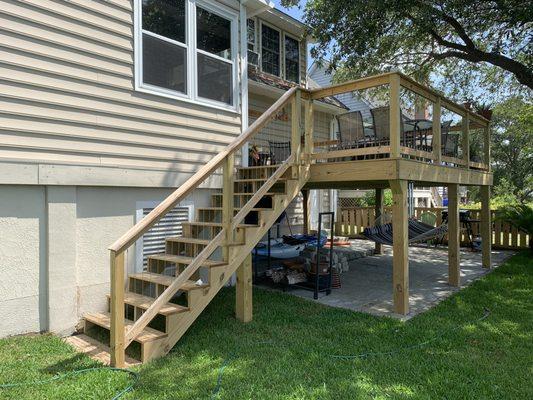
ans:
(96, 350)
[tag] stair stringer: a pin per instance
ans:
(237, 255)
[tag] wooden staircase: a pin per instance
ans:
(162, 302)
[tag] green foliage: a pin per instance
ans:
(369, 198)
(512, 147)
(470, 44)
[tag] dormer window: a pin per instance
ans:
(187, 49)
(270, 50)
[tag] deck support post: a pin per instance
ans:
(243, 297)
(305, 200)
(117, 333)
(378, 247)
(454, 267)
(486, 227)
(400, 240)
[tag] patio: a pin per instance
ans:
(366, 287)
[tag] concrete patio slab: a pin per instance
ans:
(367, 286)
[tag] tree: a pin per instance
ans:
(422, 36)
(512, 147)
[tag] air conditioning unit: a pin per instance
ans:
(253, 57)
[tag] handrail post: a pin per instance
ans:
(436, 140)
(465, 144)
(486, 146)
(395, 116)
(117, 340)
(227, 203)
(296, 111)
(309, 128)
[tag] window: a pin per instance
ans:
(187, 49)
(250, 34)
(215, 68)
(270, 50)
(292, 59)
(164, 54)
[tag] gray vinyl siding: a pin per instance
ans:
(67, 94)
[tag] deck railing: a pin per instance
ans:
(400, 144)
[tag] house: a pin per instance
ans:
(142, 159)
(106, 108)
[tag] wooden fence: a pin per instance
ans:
(352, 221)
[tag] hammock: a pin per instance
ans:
(418, 232)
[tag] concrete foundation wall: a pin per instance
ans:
(54, 262)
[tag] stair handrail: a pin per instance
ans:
(140, 228)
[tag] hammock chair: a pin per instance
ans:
(418, 232)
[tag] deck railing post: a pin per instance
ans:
(486, 146)
(296, 140)
(465, 144)
(309, 128)
(394, 120)
(227, 203)
(436, 141)
(117, 333)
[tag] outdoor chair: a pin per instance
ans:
(381, 125)
(279, 151)
(449, 142)
(351, 130)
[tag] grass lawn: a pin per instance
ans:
(286, 352)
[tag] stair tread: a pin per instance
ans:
(258, 167)
(96, 350)
(205, 242)
(235, 208)
(165, 280)
(250, 194)
(218, 224)
(144, 302)
(282, 179)
(103, 319)
(184, 260)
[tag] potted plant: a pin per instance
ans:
(521, 217)
(484, 109)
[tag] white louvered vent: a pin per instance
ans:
(153, 242)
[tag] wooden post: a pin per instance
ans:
(454, 268)
(309, 127)
(296, 137)
(400, 240)
(394, 108)
(436, 141)
(466, 140)
(378, 249)
(486, 227)
(486, 146)
(306, 199)
(227, 203)
(117, 310)
(243, 306)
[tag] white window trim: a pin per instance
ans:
(285, 34)
(190, 45)
(281, 49)
(139, 245)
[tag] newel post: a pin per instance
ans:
(117, 341)
(227, 203)
(296, 141)
(309, 128)
(395, 117)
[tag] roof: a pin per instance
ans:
(255, 75)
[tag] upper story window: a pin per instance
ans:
(187, 50)
(270, 50)
(292, 59)
(250, 34)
